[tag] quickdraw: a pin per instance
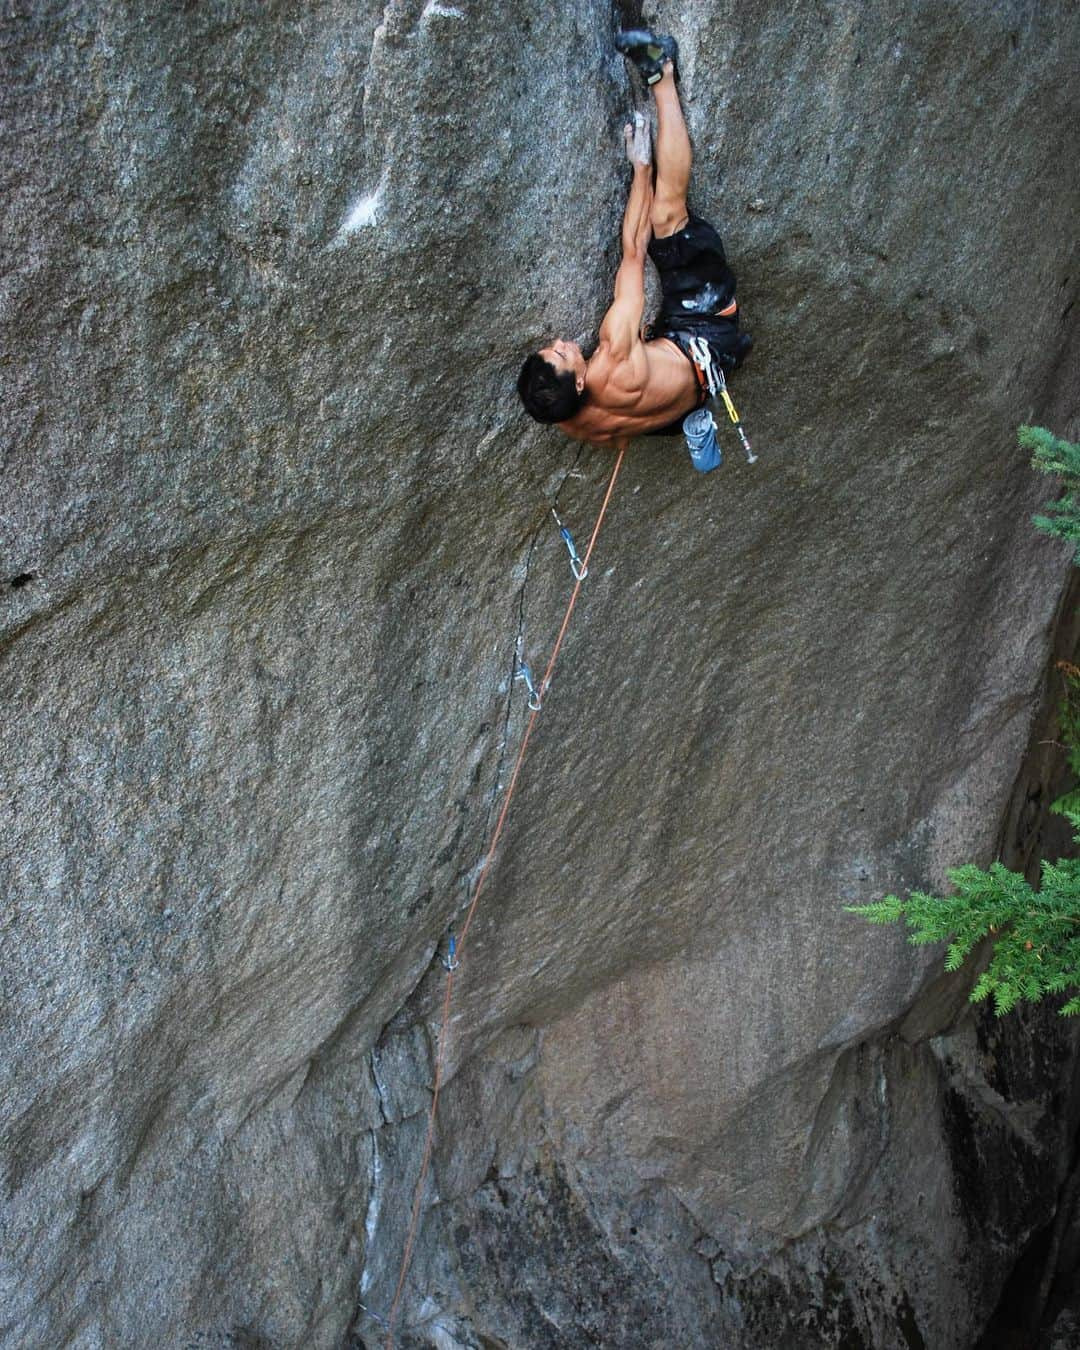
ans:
(717, 386)
(578, 568)
(524, 673)
(450, 960)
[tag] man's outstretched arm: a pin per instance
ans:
(622, 323)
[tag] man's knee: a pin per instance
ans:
(669, 219)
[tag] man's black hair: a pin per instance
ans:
(549, 395)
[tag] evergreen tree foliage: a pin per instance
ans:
(1036, 933)
(1069, 732)
(1062, 458)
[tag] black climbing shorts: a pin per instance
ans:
(696, 281)
(697, 284)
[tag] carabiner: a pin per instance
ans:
(450, 961)
(524, 673)
(702, 358)
(578, 568)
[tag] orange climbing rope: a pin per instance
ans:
(444, 1024)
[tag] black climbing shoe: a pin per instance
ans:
(648, 52)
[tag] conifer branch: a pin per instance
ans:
(1031, 956)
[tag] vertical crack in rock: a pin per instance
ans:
(494, 796)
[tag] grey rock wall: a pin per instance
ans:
(271, 526)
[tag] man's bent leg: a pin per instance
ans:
(673, 159)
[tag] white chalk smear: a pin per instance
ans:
(371, 1219)
(435, 10)
(363, 212)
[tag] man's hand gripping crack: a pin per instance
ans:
(638, 136)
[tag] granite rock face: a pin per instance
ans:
(272, 528)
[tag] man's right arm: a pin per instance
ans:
(621, 327)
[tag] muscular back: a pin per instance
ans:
(631, 386)
(632, 392)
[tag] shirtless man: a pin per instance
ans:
(630, 386)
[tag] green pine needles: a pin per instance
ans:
(1036, 933)
(1050, 455)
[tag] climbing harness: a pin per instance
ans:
(524, 673)
(458, 946)
(717, 385)
(578, 568)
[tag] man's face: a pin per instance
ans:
(564, 355)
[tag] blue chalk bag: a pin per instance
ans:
(699, 428)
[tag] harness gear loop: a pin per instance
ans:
(578, 568)
(703, 359)
(716, 384)
(524, 673)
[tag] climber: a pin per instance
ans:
(634, 383)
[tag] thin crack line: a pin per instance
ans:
(493, 795)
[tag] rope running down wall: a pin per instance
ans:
(444, 1021)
